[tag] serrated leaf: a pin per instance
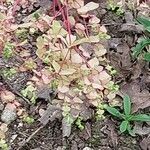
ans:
(140, 46)
(131, 131)
(123, 126)
(140, 117)
(127, 105)
(147, 56)
(114, 112)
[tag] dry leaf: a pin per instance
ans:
(7, 96)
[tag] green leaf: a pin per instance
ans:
(140, 46)
(114, 112)
(131, 132)
(123, 126)
(147, 56)
(140, 117)
(127, 105)
(145, 22)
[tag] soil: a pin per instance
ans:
(98, 135)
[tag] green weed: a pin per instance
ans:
(144, 43)
(127, 117)
(3, 145)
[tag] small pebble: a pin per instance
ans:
(9, 113)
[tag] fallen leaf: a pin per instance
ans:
(140, 98)
(7, 96)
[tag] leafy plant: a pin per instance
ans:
(28, 119)
(66, 114)
(138, 49)
(30, 92)
(9, 72)
(3, 145)
(100, 112)
(8, 50)
(112, 86)
(79, 123)
(127, 117)
(115, 7)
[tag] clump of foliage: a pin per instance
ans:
(8, 50)
(116, 7)
(28, 119)
(9, 72)
(70, 58)
(30, 93)
(127, 117)
(79, 123)
(3, 145)
(145, 42)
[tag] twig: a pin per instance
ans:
(30, 137)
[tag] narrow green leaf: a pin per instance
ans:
(127, 105)
(123, 126)
(140, 117)
(145, 22)
(131, 131)
(139, 47)
(114, 112)
(147, 56)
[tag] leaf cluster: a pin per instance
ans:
(144, 43)
(127, 117)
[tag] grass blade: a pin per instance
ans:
(114, 112)
(140, 117)
(127, 105)
(123, 126)
(145, 22)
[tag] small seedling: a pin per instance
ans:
(112, 86)
(115, 8)
(79, 123)
(30, 92)
(127, 117)
(100, 112)
(28, 120)
(9, 72)
(8, 50)
(66, 114)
